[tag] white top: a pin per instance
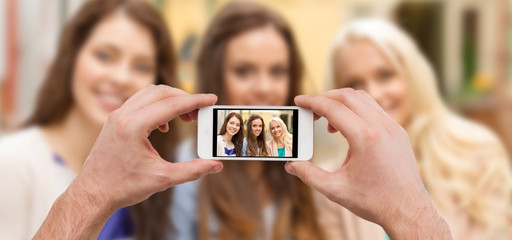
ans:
(223, 149)
(31, 179)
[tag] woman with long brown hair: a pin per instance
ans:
(107, 52)
(248, 57)
(231, 136)
(254, 143)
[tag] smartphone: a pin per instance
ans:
(267, 133)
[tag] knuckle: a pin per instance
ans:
(361, 93)
(122, 126)
(371, 135)
(196, 174)
(348, 90)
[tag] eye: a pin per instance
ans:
(103, 56)
(279, 72)
(143, 68)
(385, 74)
(242, 71)
(354, 83)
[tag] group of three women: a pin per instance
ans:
(231, 140)
(111, 49)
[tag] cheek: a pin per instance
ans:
(402, 95)
(88, 75)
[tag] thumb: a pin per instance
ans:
(192, 170)
(311, 175)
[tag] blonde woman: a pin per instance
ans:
(281, 142)
(463, 165)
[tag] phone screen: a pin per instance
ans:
(253, 132)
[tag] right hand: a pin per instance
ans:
(379, 179)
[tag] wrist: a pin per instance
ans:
(85, 210)
(420, 221)
(76, 214)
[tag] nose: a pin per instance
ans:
(263, 86)
(121, 73)
(375, 91)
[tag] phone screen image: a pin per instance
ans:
(255, 133)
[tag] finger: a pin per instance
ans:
(151, 116)
(193, 114)
(316, 116)
(192, 170)
(356, 102)
(338, 115)
(164, 127)
(150, 94)
(189, 117)
(185, 118)
(310, 174)
(331, 129)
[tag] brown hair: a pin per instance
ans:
(237, 17)
(230, 195)
(258, 147)
(55, 98)
(238, 138)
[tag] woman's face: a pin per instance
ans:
(256, 68)
(257, 127)
(361, 65)
(116, 61)
(275, 129)
(233, 126)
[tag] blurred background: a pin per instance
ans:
(469, 43)
(285, 115)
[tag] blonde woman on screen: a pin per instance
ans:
(281, 142)
(463, 165)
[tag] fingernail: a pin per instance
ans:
(217, 169)
(289, 168)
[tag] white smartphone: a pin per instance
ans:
(268, 133)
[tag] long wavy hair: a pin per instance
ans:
(55, 98)
(464, 165)
(286, 137)
(238, 138)
(230, 196)
(256, 146)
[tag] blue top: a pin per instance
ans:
(280, 152)
(118, 226)
(229, 152)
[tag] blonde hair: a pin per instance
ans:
(463, 165)
(286, 138)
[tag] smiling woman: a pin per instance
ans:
(231, 135)
(108, 51)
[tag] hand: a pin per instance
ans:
(123, 168)
(379, 179)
